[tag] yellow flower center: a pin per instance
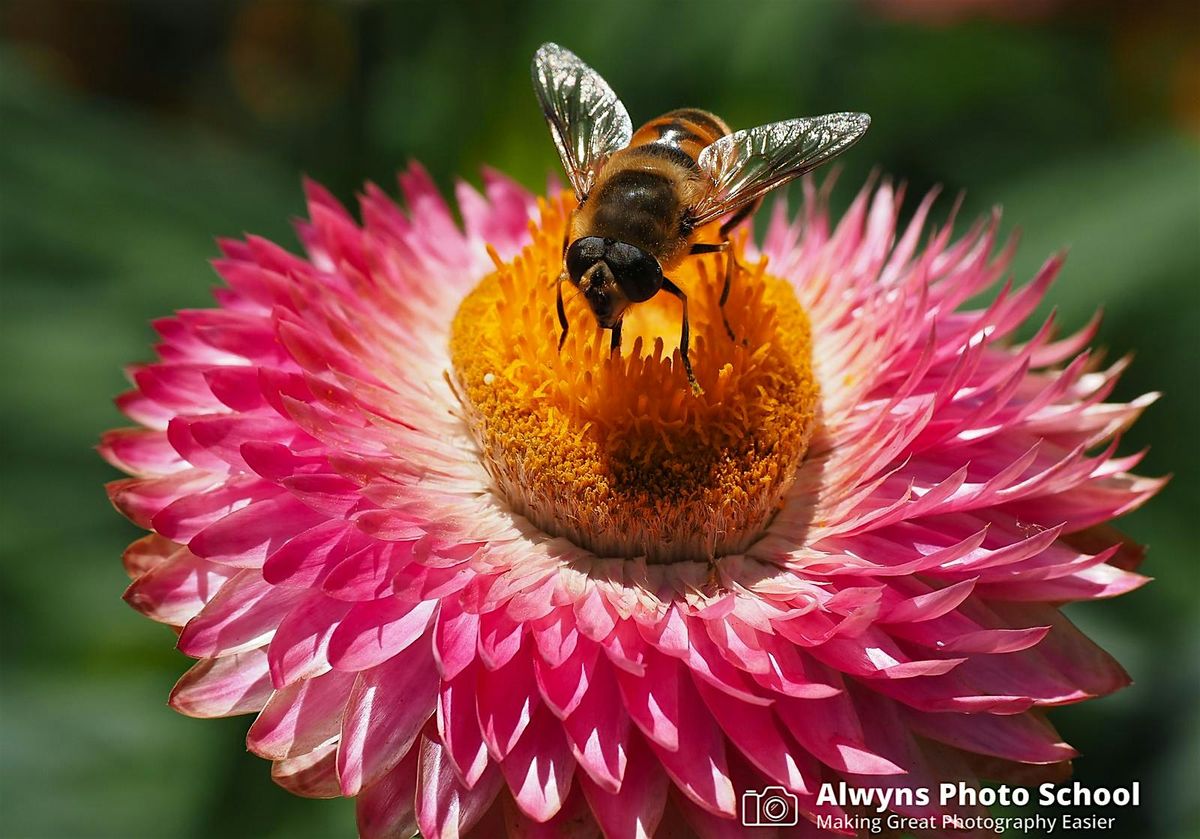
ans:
(616, 452)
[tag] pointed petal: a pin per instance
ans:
(573, 821)
(504, 702)
(373, 632)
(652, 700)
(458, 726)
(387, 808)
(445, 809)
(698, 767)
(455, 636)
(299, 647)
(830, 730)
(243, 615)
(385, 712)
(223, 687)
(312, 775)
(599, 730)
(300, 717)
(758, 735)
(175, 590)
(635, 809)
(539, 769)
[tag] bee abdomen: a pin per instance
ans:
(685, 130)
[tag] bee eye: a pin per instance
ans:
(637, 272)
(582, 255)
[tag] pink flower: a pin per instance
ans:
(485, 586)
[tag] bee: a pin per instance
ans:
(643, 197)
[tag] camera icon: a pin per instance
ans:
(771, 806)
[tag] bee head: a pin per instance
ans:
(612, 275)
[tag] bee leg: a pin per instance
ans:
(562, 314)
(684, 335)
(730, 261)
(737, 218)
(614, 346)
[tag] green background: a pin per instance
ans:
(133, 133)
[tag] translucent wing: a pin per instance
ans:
(587, 120)
(747, 164)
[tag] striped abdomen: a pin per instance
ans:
(687, 130)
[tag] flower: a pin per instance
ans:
(483, 584)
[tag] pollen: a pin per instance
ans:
(616, 452)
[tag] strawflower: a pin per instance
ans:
(488, 586)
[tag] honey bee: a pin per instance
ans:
(644, 196)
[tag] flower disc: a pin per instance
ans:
(615, 451)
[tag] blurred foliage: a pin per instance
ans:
(131, 133)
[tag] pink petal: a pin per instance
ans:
(555, 636)
(594, 616)
(926, 763)
(933, 604)
(175, 590)
(455, 636)
(624, 647)
(598, 730)
(145, 554)
(275, 461)
(299, 648)
(243, 615)
(141, 499)
(793, 672)
(698, 766)
(505, 701)
(385, 712)
(300, 717)
(1067, 651)
(652, 700)
(373, 632)
(635, 809)
(539, 768)
(562, 688)
(223, 687)
(387, 808)
(369, 573)
(445, 809)
(1095, 583)
(313, 775)
(830, 730)
(707, 661)
(247, 537)
(305, 559)
(1026, 738)
(501, 220)
(188, 514)
(499, 639)
(222, 436)
(140, 451)
(573, 821)
(757, 734)
(236, 387)
(330, 495)
(458, 726)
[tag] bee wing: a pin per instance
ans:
(587, 120)
(747, 164)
